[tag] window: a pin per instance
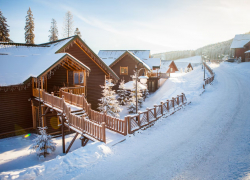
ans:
(78, 77)
(123, 70)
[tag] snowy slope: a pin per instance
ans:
(208, 139)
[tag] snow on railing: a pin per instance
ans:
(210, 79)
(144, 118)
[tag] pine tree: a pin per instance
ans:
(132, 100)
(43, 143)
(53, 31)
(108, 103)
(4, 31)
(29, 28)
(77, 32)
(122, 97)
(181, 71)
(68, 24)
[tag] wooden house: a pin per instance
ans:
(66, 63)
(124, 65)
(183, 65)
(240, 44)
(168, 67)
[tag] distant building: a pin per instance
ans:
(240, 44)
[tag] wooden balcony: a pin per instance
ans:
(158, 75)
(74, 90)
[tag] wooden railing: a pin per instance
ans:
(144, 118)
(210, 79)
(158, 75)
(112, 123)
(82, 124)
(74, 90)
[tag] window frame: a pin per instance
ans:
(78, 72)
(125, 68)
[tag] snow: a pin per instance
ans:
(109, 56)
(165, 66)
(182, 65)
(207, 139)
(23, 62)
(240, 40)
(192, 60)
(153, 62)
(129, 85)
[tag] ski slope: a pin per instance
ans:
(208, 139)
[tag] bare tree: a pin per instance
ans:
(53, 31)
(68, 25)
(29, 28)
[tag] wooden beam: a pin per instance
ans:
(91, 58)
(67, 77)
(71, 143)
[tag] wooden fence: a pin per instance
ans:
(112, 123)
(210, 79)
(144, 118)
(74, 90)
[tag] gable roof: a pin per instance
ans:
(18, 63)
(153, 62)
(165, 65)
(240, 40)
(137, 59)
(77, 40)
(182, 65)
(109, 56)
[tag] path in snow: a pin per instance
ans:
(209, 139)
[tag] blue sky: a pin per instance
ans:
(159, 26)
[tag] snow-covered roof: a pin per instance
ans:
(109, 56)
(152, 62)
(193, 59)
(240, 40)
(247, 51)
(165, 66)
(18, 63)
(130, 85)
(144, 64)
(182, 65)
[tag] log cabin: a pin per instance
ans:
(240, 44)
(168, 67)
(183, 65)
(27, 70)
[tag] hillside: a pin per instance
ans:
(212, 51)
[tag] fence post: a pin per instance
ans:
(162, 108)
(71, 96)
(89, 110)
(182, 98)
(129, 124)
(103, 132)
(178, 101)
(173, 101)
(60, 93)
(52, 98)
(155, 115)
(125, 126)
(69, 118)
(168, 105)
(83, 101)
(62, 104)
(139, 121)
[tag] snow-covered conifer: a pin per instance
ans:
(181, 71)
(29, 28)
(108, 103)
(4, 31)
(53, 31)
(190, 69)
(122, 98)
(132, 100)
(77, 32)
(43, 143)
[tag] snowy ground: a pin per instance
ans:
(208, 139)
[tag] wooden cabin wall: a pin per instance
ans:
(126, 61)
(58, 79)
(172, 65)
(15, 111)
(240, 52)
(96, 75)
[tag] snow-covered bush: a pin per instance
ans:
(108, 103)
(43, 144)
(122, 94)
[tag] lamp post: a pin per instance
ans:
(143, 80)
